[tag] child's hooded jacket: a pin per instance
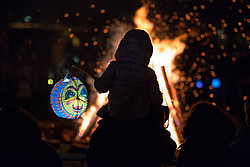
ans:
(132, 85)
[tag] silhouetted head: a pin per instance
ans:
(17, 128)
(135, 47)
(247, 111)
(209, 122)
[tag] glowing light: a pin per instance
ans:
(213, 73)
(105, 31)
(82, 63)
(102, 11)
(71, 35)
(162, 63)
(199, 84)
(27, 19)
(86, 44)
(216, 83)
(104, 52)
(76, 42)
(157, 16)
(76, 59)
(50, 81)
(187, 107)
(92, 6)
(196, 95)
(211, 95)
(192, 84)
(66, 15)
(195, 7)
(245, 98)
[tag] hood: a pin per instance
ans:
(135, 47)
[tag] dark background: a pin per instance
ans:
(35, 45)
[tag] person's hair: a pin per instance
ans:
(208, 121)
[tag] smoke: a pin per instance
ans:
(116, 34)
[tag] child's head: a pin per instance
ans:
(135, 47)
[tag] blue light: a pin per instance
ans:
(199, 84)
(216, 83)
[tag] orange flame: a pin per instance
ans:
(89, 117)
(162, 59)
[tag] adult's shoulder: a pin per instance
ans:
(113, 63)
(151, 71)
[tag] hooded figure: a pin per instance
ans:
(132, 85)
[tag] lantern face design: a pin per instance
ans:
(69, 98)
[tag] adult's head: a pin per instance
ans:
(17, 128)
(135, 47)
(210, 123)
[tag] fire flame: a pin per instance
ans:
(162, 62)
(89, 117)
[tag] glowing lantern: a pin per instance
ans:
(69, 98)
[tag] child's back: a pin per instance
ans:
(132, 85)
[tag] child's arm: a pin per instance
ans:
(104, 83)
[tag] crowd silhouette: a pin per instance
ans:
(21, 143)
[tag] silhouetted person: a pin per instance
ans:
(240, 145)
(132, 133)
(207, 134)
(21, 144)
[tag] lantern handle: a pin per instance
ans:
(74, 66)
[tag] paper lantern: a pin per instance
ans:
(69, 98)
